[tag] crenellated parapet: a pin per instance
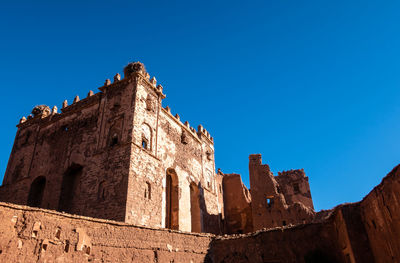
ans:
(135, 69)
(199, 134)
(43, 114)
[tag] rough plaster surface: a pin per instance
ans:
(359, 232)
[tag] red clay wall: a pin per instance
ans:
(36, 235)
(367, 231)
(237, 205)
(380, 211)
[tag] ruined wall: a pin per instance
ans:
(310, 243)
(35, 235)
(366, 231)
(237, 205)
(380, 212)
(295, 187)
(269, 205)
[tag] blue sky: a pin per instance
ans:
(308, 84)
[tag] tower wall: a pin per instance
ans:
(108, 155)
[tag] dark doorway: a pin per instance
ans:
(172, 200)
(70, 189)
(36, 192)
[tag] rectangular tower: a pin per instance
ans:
(119, 155)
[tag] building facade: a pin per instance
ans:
(119, 154)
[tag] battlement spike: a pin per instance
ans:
(117, 77)
(153, 81)
(160, 88)
(76, 99)
(91, 93)
(200, 128)
(147, 76)
(177, 116)
(168, 109)
(22, 120)
(65, 104)
(107, 82)
(187, 124)
(54, 110)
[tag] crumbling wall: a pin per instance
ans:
(366, 231)
(295, 187)
(36, 235)
(269, 206)
(237, 205)
(308, 243)
(380, 212)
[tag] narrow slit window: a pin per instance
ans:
(114, 139)
(270, 201)
(296, 188)
(144, 144)
(147, 191)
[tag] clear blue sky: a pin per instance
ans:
(308, 84)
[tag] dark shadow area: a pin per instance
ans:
(211, 223)
(69, 188)
(36, 192)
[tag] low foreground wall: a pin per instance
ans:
(37, 235)
(367, 231)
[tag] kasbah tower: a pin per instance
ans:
(120, 155)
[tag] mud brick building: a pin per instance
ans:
(130, 182)
(119, 154)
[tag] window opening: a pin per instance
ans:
(270, 201)
(147, 191)
(296, 188)
(144, 144)
(114, 140)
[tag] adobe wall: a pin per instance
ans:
(119, 144)
(295, 187)
(380, 212)
(237, 205)
(49, 144)
(36, 235)
(269, 205)
(307, 243)
(366, 231)
(173, 146)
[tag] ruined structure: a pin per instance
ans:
(361, 232)
(115, 177)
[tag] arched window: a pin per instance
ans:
(36, 192)
(146, 136)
